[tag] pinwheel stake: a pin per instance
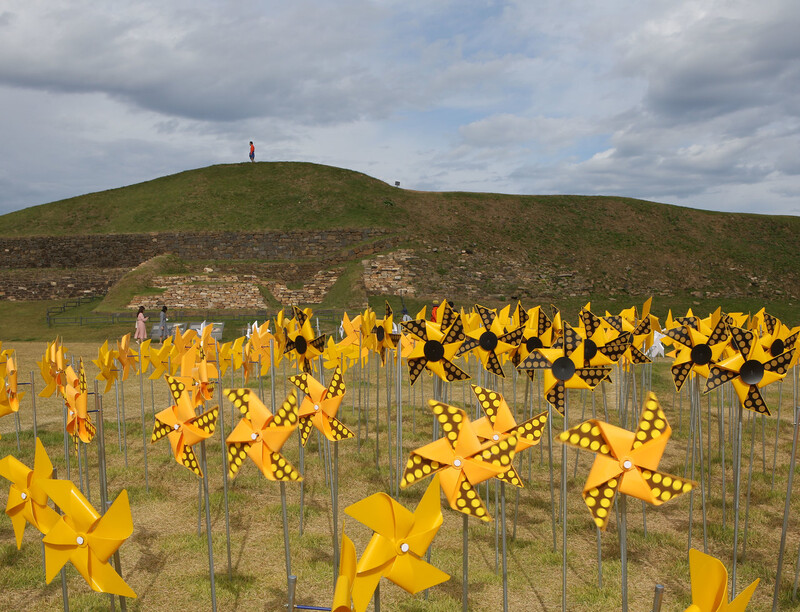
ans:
(463, 463)
(318, 410)
(627, 463)
(221, 424)
(787, 505)
(749, 370)
(144, 427)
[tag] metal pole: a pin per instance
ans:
(335, 506)
(464, 563)
(33, 407)
(208, 527)
(286, 541)
(659, 595)
(505, 557)
(786, 508)
(144, 426)
(221, 413)
(292, 589)
(623, 547)
(737, 488)
(564, 509)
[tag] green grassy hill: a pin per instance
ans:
(611, 245)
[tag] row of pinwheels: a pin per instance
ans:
(77, 533)
(749, 352)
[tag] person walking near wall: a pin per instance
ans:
(162, 324)
(141, 328)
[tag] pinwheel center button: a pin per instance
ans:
(176, 427)
(403, 548)
(80, 540)
(23, 495)
(433, 350)
(589, 349)
(457, 462)
(626, 464)
(254, 436)
(380, 333)
(533, 343)
(316, 407)
(701, 354)
(563, 368)
(752, 371)
(495, 437)
(488, 341)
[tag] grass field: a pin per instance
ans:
(166, 563)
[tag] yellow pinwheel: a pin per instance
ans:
(320, 406)
(11, 395)
(396, 548)
(260, 435)
(461, 460)
(182, 426)
(125, 356)
(106, 365)
(564, 368)
(52, 368)
(710, 586)
(499, 423)
(750, 369)
(86, 538)
(343, 593)
(230, 355)
(435, 350)
(76, 394)
(491, 341)
(161, 358)
(27, 500)
(626, 462)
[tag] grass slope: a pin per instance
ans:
(605, 237)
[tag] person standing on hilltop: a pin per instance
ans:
(252, 151)
(141, 328)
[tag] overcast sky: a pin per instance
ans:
(691, 102)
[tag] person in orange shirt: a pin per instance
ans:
(252, 151)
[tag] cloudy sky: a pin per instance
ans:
(691, 102)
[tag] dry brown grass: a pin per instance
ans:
(166, 563)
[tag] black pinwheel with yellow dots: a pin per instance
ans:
(302, 343)
(491, 341)
(564, 367)
(436, 349)
(749, 370)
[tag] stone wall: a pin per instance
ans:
(312, 291)
(129, 250)
(216, 296)
(48, 284)
(389, 274)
